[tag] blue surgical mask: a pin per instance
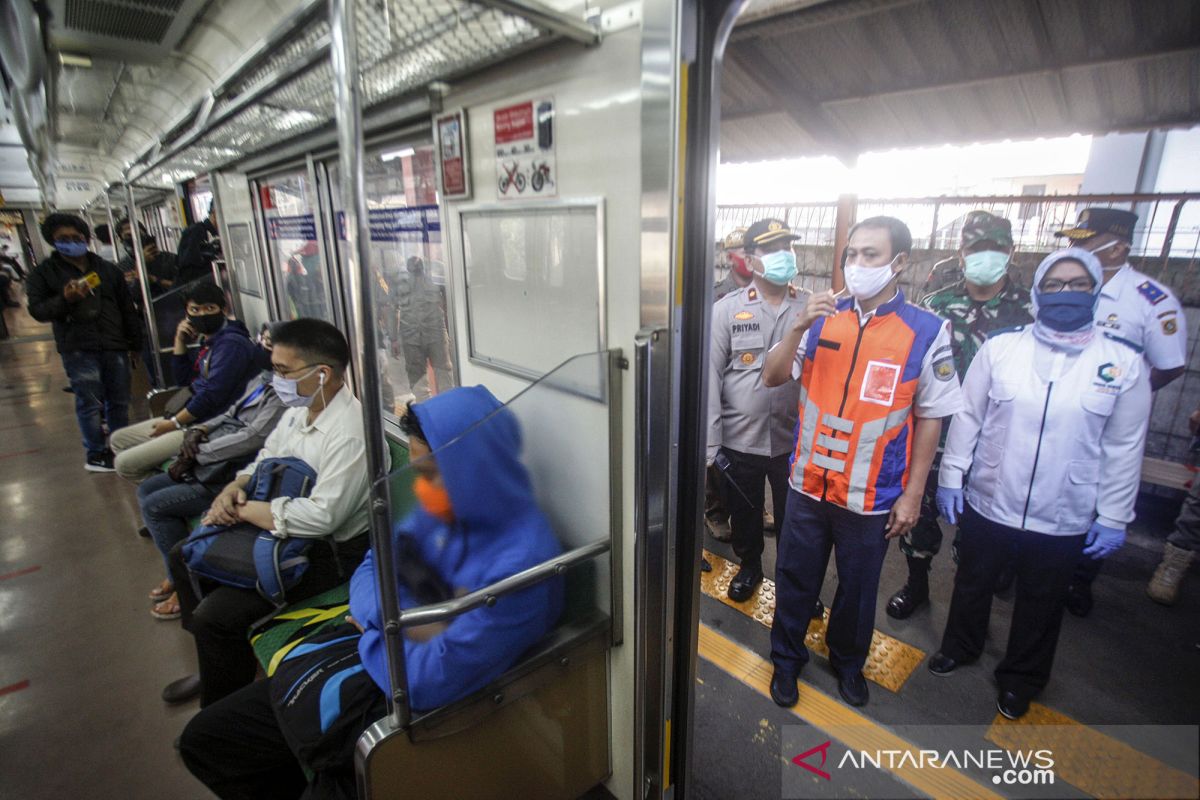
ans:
(70, 249)
(779, 267)
(1066, 311)
(289, 395)
(986, 268)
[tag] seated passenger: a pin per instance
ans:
(324, 429)
(216, 375)
(477, 523)
(210, 456)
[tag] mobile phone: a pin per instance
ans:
(92, 279)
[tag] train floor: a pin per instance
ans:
(82, 661)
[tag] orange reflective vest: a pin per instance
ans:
(858, 386)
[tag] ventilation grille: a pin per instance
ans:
(145, 21)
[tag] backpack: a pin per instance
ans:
(245, 555)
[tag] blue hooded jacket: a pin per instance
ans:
(231, 365)
(498, 530)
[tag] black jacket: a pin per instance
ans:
(197, 250)
(104, 320)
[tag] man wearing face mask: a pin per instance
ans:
(95, 328)
(876, 376)
(1134, 307)
(750, 426)
(985, 300)
(323, 427)
(740, 275)
(216, 375)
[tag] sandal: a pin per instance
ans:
(168, 609)
(162, 592)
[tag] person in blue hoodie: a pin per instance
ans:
(476, 523)
(216, 374)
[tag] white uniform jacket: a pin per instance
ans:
(1146, 313)
(1050, 456)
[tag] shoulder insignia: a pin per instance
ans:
(743, 315)
(1010, 329)
(1137, 348)
(943, 368)
(1151, 292)
(1169, 326)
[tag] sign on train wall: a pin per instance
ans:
(525, 158)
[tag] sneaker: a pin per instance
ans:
(99, 462)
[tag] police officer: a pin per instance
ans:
(740, 275)
(1050, 444)
(1133, 307)
(985, 300)
(750, 426)
(876, 378)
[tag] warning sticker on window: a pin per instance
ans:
(879, 384)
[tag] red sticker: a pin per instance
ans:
(879, 384)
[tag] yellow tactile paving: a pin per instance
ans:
(1091, 761)
(856, 731)
(889, 663)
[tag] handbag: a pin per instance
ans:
(248, 557)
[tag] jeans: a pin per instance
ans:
(168, 506)
(100, 381)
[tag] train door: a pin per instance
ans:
(239, 242)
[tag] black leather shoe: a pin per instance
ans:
(818, 609)
(744, 583)
(705, 566)
(904, 602)
(182, 690)
(942, 664)
(1079, 599)
(1012, 705)
(783, 688)
(852, 686)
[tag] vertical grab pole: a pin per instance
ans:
(112, 226)
(343, 54)
(140, 262)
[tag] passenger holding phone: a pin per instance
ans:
(96, 327)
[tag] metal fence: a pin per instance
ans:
(1166, 245)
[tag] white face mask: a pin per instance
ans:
(289, 395)
(866, 282)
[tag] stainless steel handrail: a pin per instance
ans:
(487, 596)
(139, 261)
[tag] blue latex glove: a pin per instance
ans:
(950, 503)
(1103, 541)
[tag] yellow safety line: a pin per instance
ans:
(853, 729)
(889, 662)
(1091, 761)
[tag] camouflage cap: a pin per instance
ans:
(735, 239)
(979, 226)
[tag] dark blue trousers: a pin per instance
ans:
(812, 528)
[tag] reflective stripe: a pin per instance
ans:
(834, 445)
(868, 440)
(808, 430)
(839, 424)
(831, 464)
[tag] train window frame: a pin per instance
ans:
(520, 210)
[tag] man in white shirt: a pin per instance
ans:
(1139, 310)
(324, 428)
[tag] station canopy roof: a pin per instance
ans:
(849, 76)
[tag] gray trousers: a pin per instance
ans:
(1187, 526)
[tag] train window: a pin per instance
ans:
(288, 204)
(415, 353)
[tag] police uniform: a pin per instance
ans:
(751, 424)
(1142, 310)
(864, 379)
(1052, 443)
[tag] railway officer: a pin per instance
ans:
(1134, 307)
(985, 300)
(876, 378)
(750, 425)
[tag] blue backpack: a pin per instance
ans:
(245, 555)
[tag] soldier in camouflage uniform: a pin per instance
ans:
(985, 300)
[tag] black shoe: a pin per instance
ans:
(99, 462)
(1012, 705)
(904, 602)
(783, 688)
(144, 532)
(818, 609)
(1079, 599)
(745, 582)
(705, 566)
(1005, 579)
(852, 686)
(942, 664)
(182, 690)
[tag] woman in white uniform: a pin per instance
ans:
(1050, 442)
